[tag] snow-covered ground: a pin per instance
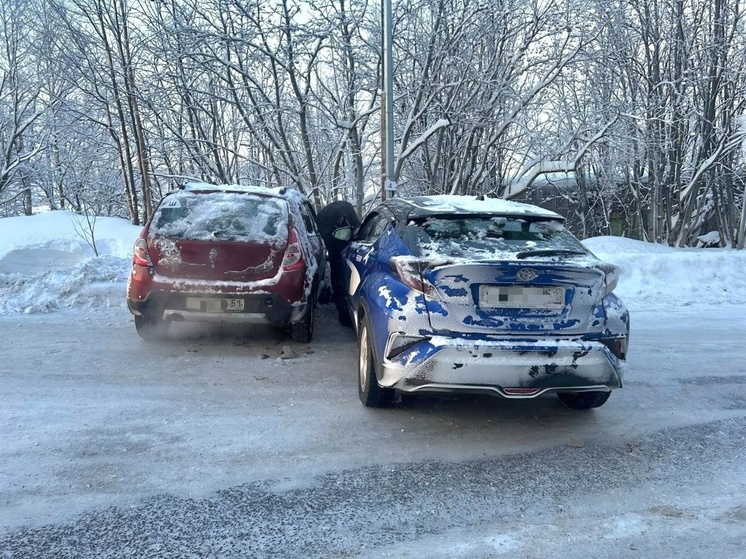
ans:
(46, 264)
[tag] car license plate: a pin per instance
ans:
(520, 297)
(214, 305)
(233, 305)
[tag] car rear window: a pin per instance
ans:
(482, 237)
(226, 216)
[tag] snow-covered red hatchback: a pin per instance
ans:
(228, 254)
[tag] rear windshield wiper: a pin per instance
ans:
(549, 252)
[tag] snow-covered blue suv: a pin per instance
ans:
(453, 293)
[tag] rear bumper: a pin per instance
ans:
(512, 368)
(280, 301)
(257, 308)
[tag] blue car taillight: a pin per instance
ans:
(611, 277)
(618, 346)
(409, 271)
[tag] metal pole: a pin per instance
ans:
(383, 108)
(388, 93)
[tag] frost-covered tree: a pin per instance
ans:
(20, 107)
(472, 86)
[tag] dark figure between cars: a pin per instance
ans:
(329, 219)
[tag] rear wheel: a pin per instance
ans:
(371, 393)
(583, 400)
(302, 332)
(151, 328)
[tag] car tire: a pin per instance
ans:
(302, 332)
(371, 394)
(583, 400)
(151, 328)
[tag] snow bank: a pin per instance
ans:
(45, 264)
(658, 276)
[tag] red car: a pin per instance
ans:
(229, 254)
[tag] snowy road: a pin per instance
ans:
(211, 445)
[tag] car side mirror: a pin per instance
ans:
(343, 233)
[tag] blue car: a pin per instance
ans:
(465, 294)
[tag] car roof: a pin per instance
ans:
(279, 192)
(448, 205)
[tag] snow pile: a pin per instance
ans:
(655, 276)
(45, 264)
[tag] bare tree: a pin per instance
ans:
(19, 104)
(101, 33)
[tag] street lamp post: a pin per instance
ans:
(389, 187)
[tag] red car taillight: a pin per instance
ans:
(293, 259)
(142, 255)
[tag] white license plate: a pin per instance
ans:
(234, 305)
(203, 304)
(520, 297)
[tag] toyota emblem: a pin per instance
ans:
(527, 274)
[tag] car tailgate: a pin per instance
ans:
(515, 297)
(216, 261)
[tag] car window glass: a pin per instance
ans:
(380, 226)
(485, 236)
(366, 229)
(372, 228)
(308, 218)
(221, 215)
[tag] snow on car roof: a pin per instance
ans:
(448, 203)
(284, 191)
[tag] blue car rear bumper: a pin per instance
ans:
(513, 368)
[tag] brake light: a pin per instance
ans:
(293, 259)
(142, 254)
(410, 272)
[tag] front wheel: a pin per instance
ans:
(151, 328)
(371, 394)
(583, 400)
